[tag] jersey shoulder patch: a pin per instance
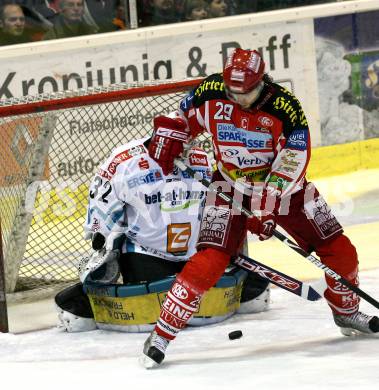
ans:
(122, 154)
(197, 157)
(186, 103)
(285, 106)
(209, 89)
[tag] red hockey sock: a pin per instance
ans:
(181, 302)
(341, 256)
(201, 272)
(205, 268)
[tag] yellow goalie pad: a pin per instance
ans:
(137, 305)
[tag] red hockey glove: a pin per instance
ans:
(167, 141)
(265, 225)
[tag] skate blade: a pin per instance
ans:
(148, 363)
(350, 332)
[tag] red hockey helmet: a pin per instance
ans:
(243, 74)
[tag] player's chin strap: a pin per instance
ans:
(238, 206)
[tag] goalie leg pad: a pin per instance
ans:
(256, 305)
(255, 296)
(135, 308)
(74, 310)
(74, 300)
(253, 286)
(72, 323)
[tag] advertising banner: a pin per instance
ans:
(17, 138)
(287, 49)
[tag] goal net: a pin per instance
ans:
(50, 148)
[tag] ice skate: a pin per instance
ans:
(357, 323)
(154, 350)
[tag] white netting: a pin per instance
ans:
(47, 162)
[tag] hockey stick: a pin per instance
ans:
(238, 206)
(297, 287)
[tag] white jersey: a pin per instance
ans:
(160, 215)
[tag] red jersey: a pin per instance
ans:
(269, 144)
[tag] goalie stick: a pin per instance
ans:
(238, 206)
(297, 287)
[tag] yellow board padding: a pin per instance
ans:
(343, 158)
(61, 203)
(68, 204)
(277, 255)
(343, 189)
(145, 309)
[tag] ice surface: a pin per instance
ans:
(295, 345)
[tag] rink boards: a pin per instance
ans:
(352, 195)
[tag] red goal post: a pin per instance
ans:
(50, 148)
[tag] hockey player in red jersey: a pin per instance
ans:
(262, 147)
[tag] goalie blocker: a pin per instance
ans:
(135, 305)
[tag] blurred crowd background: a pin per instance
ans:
(24, 21)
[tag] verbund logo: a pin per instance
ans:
(198, 159)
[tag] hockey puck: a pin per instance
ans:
(236, 334)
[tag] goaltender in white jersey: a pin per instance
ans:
(152, 221)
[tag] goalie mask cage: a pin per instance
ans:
(51, 146)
